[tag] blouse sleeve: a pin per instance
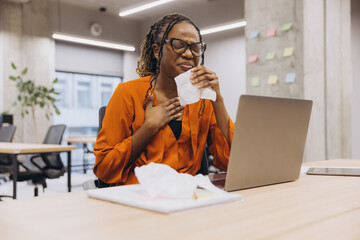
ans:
(114, 142)
(218, 146)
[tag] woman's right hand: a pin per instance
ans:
(156, 117)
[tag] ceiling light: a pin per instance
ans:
(143, 7)
(68, 38)
(238, 24)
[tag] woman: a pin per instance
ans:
(144, 121)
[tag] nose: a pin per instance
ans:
(188, 54)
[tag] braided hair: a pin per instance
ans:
(147, 64)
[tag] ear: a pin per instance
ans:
(156, 50)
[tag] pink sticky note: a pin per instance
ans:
(253, 58)
(271, 32)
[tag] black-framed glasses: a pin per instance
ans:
(180, 46)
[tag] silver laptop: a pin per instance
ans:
(268, 142)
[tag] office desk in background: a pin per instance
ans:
(84, 140)
(15, 149)
(313, 207)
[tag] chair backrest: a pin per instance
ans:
(55, 134)
(101, 116)
(98, 183)
(7, 133)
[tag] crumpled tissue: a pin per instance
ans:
(189, 93)
(162, 180)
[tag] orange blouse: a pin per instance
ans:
(125, 114)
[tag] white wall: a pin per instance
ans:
(355, 45)
(130, 66)
(225, 55)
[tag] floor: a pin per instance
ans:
(54, 186)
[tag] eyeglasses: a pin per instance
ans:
(179, 46)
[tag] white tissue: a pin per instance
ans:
(162, 180)
(189, 93)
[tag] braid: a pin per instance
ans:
(147, 64)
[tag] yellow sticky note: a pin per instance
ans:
(286, 26)
(270, 55)
(255, 81)
(273, 79)
(288, 52)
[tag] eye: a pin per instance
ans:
(196, 47)
(178, 44)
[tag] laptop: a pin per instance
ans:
(268, 142)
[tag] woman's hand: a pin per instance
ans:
(156, 117)
(206, 78)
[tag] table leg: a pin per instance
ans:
(69, 170)
(15, 171)
(85, 150)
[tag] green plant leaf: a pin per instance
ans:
(24, 71)
(47, 116)
(55, 80)
(56, 110)
(13, 66)
(12, 78)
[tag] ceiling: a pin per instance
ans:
(114, 6)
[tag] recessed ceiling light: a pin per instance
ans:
(80, 40)
(229, 26)
(143, 7)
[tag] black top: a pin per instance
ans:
(176, 128)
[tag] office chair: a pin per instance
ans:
(49, 165)
(6, 135)
(97, 183)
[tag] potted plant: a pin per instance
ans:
(30, 96)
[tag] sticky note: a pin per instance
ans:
(254, 34)
(271, 32)
(290, 77)
(273, 79)
(287, 26)
(270, 55)
(255, 81)
(288, 52)
(253, 58)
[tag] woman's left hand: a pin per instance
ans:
(205, 78)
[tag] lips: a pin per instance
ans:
(186, 65)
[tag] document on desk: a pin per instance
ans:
(136, 196)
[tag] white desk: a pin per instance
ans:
(14, 149)
(314, 207)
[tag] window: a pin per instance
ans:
(81, 96)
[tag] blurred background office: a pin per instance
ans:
(323, 37)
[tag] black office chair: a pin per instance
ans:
(49, 165)
(6, 135)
